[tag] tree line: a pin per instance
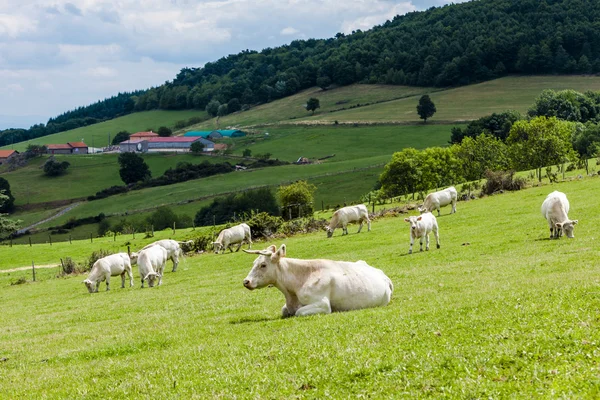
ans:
(452, 45)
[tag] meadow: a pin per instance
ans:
(499, 311)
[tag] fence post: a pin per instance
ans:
(115, 237)
(290, 212)
(70, 239)
(152, 230)
(373, 207)
(129, 250)
(91, 238)
(50, 239)
(193, 225)
(63, 264)
(173, 227)
(29, 241)
(134, 233)
(10, 242)
(33, 268)
(322, 206)
(214, 221)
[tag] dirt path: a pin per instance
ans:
(58, 214)
(29, 267)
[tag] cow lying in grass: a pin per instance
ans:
(319, 286)
(104, 268)
(234, 235)
(343, 216)
(555, 209)
(421, 226)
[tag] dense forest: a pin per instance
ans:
(447, 46)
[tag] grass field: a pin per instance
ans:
(97, 135)
(467, 102)
(511, 314)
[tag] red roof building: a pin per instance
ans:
(6, 154)
(144, 135)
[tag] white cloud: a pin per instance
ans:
(289, 31)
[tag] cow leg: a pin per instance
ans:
(285, 313)
(421, 243)
(368, 224)
(412, 240)
(360, 226)
(123, 280)
(130, 277)
(344, 230)
(453, 207)
(107, 283)
(437, 237)
(438, 211)
(175, 260)
(229, 247)
(320, 307)
(239, 247)
(249, 243)
(142, 283)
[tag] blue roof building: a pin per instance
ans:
(216, 134)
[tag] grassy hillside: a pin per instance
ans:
(97, 134)
(292, 107)
(86, 175)
(510, 314)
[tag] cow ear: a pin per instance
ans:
(272, 248)
(575, 221)
(559, 225)
(281, 251)
(419, 218)
(406, 219)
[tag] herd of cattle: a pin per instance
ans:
(311, 286)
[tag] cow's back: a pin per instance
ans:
(555, 204)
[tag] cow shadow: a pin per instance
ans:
(249, 320)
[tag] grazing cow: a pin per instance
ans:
(231, 236)
(173, 248)
(318, 286)
(349, 214)
(151, 263)
(435, 200)
(420, 227)
(104, 268)
(555, 209)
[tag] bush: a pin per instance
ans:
(55, 168)
(302, 225)
(69, 267)
(502, 180)
(203, 242)
(263, 224)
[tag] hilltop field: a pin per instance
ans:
(374, 121)
(499, 309)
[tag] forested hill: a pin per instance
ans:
(451, 45)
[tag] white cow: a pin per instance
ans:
(104, 268)
(420, 227)
(348, 214)
(173, 248)
(555, 209)
(151, 263)
(319, 286)
(435, 200)
(233, 235)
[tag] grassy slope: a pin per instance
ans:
(511, 314)
(292, 107)
(468, 102)
(97, 134)
(86, 175)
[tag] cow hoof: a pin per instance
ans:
(410, 252)
(438, 246)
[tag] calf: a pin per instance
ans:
(319, 286)
(420, 227)
(151, 263)
(555, 209)
(104, 268)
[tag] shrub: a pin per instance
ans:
(263, 224)
(69, 267)
(502, 180)
(55, 168)
(95, 256)
(19, 281)
(203, 242)
(302, 225)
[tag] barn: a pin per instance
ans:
(143, 135)
(216, 134)
(175, 144)
(78, 147)
(5, 155)
(59, 149)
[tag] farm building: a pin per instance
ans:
(143, 135)
(5, 155)
(163, 144)
(216, 134)
(68, 148)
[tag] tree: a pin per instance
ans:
(7, 226)
(120, 137)
(247, 153)
(479, 154)
(234, 105)
(163, 131)
(402, 174)
(162, 218)
(133, 168)
(312, 104)
(212, 108)
(586, 142)
(323, 82)
(425, 108)
(55, 168)
(222, 110)
(296, 199)
(35, 150)
(7, 204)
(539, 143)
(197, 147)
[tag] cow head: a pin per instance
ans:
(413, 222)
(568, 227)
(329, 232)
(217, 246)
(133, 258)
(422, 209)
(151, 277)
(91, 286)
(264, 270)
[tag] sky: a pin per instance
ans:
(57, 55)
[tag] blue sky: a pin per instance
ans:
(56, 55)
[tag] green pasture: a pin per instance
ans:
(292, 107)
(87, 175)
(500, 311)
(346, 142)
(466, 102)
(97, 135)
